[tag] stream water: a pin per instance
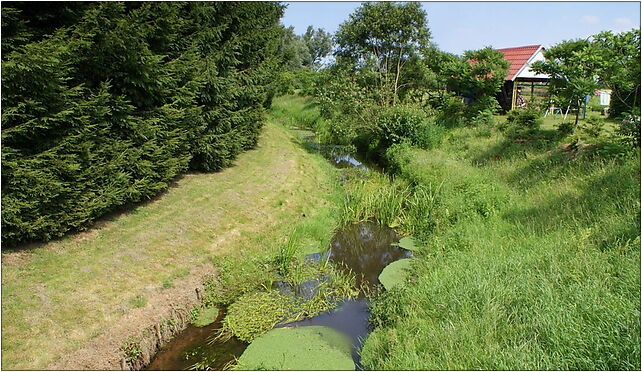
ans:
(193, 345)
(364, 249)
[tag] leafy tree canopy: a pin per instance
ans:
(618, 67)
(382, 38)
(479, 73)
(579, 67)
(292, 50)
(319, 43)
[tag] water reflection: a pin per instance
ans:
(365, 249)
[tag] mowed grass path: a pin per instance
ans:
(59, 296)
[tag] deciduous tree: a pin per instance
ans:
(319, 43)
(383, 38)
(573, 69)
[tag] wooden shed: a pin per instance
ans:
(522, 85)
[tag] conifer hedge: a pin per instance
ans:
(104, 103)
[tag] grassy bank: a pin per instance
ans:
(58, 297)
(530, 260)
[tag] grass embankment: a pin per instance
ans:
(531, 260)
(59, 297)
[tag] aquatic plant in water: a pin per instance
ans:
(395, 273)
(305, 348)
(206, 316)
(309, 289)
(254, 314)
(406, 243)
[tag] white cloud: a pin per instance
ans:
(590, 19)
(622, 24)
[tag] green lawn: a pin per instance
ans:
(58, 297)
(551, 122)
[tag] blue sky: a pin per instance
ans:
(459, 26)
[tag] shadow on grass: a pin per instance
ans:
(510, 149)
(311, 106)
(99, 222)
(608, 203)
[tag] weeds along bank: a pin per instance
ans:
(529, 254)
(530, 259)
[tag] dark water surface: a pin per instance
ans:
(192, 346)
(350, 318)
(340, 156)
(365, 249)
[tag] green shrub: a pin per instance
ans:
(397, 157)
(451, 111)
(404, 123)
(429, 135)
(484, 118)
(565, 128)
(398, 124)
(629, 129)
(593, 126)
(481, 111)
(522, 124)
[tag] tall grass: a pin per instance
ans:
(286, 253)
(296, 112)
(373, 196)
(531, 260)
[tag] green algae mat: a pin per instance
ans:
(313, 348)
(206, 316)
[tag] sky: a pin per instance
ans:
(460, 26)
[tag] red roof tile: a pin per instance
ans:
(518, 57)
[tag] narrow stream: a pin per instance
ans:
(364, 249)
(192, 346)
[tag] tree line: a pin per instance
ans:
(389, 82)
(104, 103)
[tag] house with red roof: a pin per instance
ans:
(522, 85)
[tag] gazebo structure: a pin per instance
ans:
(522, 85)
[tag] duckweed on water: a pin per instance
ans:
(305, 348)
(308, 290)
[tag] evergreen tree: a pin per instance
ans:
(105, 106)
